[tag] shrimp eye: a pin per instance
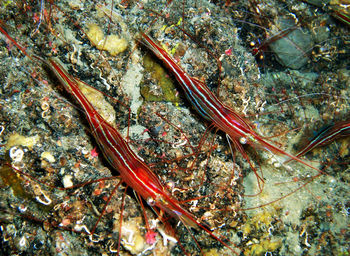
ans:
(243, 140)
(151, 201)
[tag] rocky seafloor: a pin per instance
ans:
(284, 66)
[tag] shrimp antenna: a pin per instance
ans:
(238, 146)
(190, 231)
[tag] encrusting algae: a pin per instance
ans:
(262, 222)
(167, 91)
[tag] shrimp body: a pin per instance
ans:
(203, 100)
(327, 135)
(212, 109)
(133, 171)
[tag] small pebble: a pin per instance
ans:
(16, 154)
(67, 181)
(48, 156)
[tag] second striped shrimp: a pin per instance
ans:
(326, 136)
(238, 130)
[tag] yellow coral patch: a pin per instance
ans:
(95, 35)
(262, 218)
(112, 43)
(211, 252)
(16, 139)
(131, 237)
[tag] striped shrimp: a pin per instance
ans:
(133, 171)
(326, 136)
(239, 131)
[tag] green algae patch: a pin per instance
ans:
(166, 91)
(12, 179)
